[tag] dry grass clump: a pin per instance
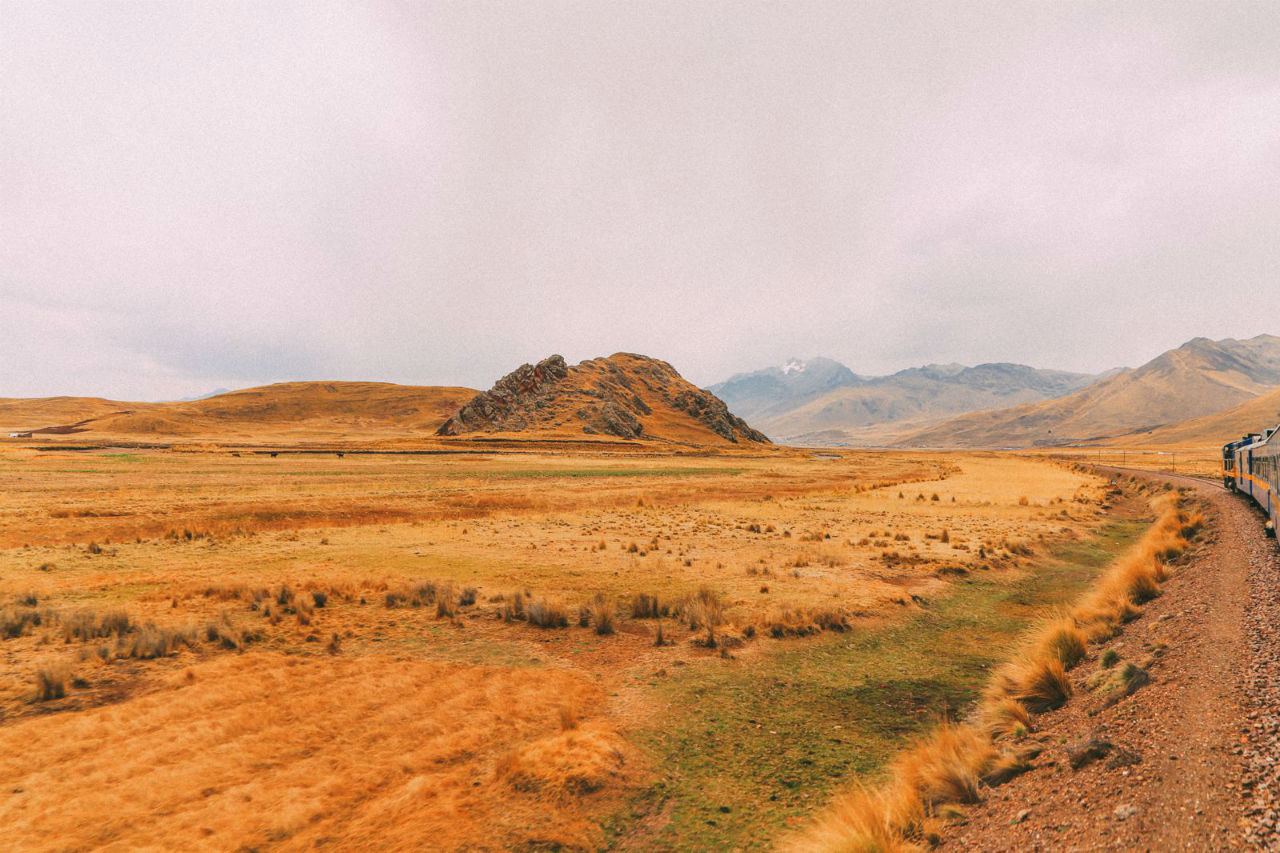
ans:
(1039, 683)
(867, 820)
(646, 606)
(705, 608)
(14, 621)
(51, 681)
(547, 614)
(511, 607)
(946, 767)
(229, 635)
(305, 610)
(577, 760)
(95, 624)
(1062, 641)
(446, 601)
(151, 642)
(1004, 717)
(598, 613)
(804, 621)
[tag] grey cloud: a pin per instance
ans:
(218, 194)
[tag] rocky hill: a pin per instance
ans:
(625, 395)
(1199, 378)
(823, 402)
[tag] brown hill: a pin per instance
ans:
(624, 395)
(1198, 378)
(23, 414)
(295, 409)
(1253, 415)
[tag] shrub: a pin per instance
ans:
(285, 596)
(319, 598)
(468, 597)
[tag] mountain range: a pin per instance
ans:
(1199, 378)
(1201, 392)
(823, 402)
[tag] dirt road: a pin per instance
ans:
(1188, 761)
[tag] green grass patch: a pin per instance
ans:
(751, 750)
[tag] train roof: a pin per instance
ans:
(1253, 438)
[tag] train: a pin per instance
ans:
(1251, 466)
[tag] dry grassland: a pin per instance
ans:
(279, 652)
(1194, 460)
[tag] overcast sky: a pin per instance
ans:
(196, 195)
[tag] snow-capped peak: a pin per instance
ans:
(794, 365)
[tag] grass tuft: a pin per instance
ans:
(51, 681)
(547, 614)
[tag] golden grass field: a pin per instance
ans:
(219, 651)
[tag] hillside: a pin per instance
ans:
(625, 396)
(1213, 430)
(823, 402)
(1199, 378)
(328, 409)
(21, 413)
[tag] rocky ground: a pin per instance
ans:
(1181, 752)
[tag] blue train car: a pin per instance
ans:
(1252, 466)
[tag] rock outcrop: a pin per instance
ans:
(624, 395)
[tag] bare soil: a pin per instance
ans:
(1187, 761)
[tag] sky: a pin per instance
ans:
(219, 195)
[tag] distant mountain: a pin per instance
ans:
(1199, 378)
(214, 393)
(822, 402)
(773, 390)
(625, 396)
